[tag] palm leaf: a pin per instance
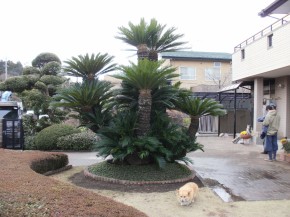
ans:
(89, 66)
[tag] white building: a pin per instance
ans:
(264, 60)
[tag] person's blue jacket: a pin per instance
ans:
(264, 128)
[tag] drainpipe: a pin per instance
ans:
(219, 120)
(235, 113)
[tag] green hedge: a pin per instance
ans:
(83, 141)
(46, 139)
(53, 162)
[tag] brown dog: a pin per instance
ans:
(187, 193)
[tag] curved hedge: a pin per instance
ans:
(50, 163)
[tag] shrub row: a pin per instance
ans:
(47, 138)
(83, 141)
(61, 137)
(49, 163)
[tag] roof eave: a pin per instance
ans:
(196, 58)
(268, 10)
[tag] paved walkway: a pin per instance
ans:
(234, 171)
(239, 171)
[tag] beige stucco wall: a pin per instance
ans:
(200, 66)
(200, 84)
(259, 58)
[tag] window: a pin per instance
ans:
(243, 54)
(270, 40)
(212, 74)
(187, 73)
(217, 64)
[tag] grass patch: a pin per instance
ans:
(140, 172)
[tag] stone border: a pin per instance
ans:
(52, 172)
(129, 182)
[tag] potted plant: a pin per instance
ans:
(286, 147)
(245, 135)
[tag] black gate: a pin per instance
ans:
(13, 136)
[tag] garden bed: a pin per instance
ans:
(24, 192)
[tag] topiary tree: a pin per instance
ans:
(51, 68)
(16, 84)
(35, 100)
(42, 59)
(38, 82)
(30, 70)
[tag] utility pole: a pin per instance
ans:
(6, 69)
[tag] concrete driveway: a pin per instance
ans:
(239, 172)
(235, 172)
(83, 158)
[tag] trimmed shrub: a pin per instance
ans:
(3, 86)
(28, 70)
(46, 139)
(40, 86)
(51, 68)
(50, 163)
(83, 141)
(52, 79)
(16, 84)
(29, 143)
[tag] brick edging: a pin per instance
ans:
(128, 182)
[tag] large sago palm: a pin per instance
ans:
(150, 39)
(145, 76)
(89, 67)
(196, 108)
(92, 100)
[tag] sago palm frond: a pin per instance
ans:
(194, 106)
(146, 74)
(89, 67)
(87, 94)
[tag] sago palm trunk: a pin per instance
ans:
(142, 51)
(193, 127)
(153, 55)
(144, 112)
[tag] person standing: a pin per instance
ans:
(265, 128)
(272, 121)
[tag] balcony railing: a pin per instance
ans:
(265, 31)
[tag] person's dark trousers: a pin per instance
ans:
(264, 147)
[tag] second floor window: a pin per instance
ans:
(187, 73)
(243, 54)
(270, 40)
(212, 74)
(217, 64)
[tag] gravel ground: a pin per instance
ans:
(160, 200)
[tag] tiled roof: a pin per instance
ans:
(196, 55)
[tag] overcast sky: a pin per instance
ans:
(73, 27)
